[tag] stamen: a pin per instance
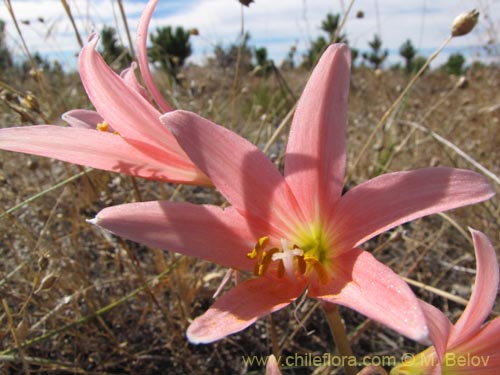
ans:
(267, 257)
(258, 246)
(319, 268)
(102, 126)
(301, 265)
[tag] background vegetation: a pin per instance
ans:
(77, 300)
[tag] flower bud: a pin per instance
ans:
(464, 23)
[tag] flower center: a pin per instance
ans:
(293, 260)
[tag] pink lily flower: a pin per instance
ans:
(466, 347)
(295, 232)
(131, 140)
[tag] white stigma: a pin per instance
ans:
(286, 256)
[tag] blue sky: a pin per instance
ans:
(275, 24)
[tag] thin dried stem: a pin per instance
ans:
(394, 105)
(437, 291)
(42, 193)
(67, 9)
(13, 330)
(127, 29)
(279, 129)
(96, 314)
(39, 77)
(456, 149)
(342, 23)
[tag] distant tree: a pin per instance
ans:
(226, 57)
(455, 64)
(377, 56)
(418, 63)
(5, 56)
(261, 56)
(113, 53)
(39, 61)
(170, 48)
(330, 25)
(354, 55)
(314, 52)
(408, 52)
(265, 65)
(289, 62)
(395, 67)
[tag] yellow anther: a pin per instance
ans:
(102, 126)
(253, 254)
(265, 261)
(319, 268)
(258, 247)
(260, 269)
(262, 242)
(256, 269)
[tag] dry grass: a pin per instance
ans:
(103, 309)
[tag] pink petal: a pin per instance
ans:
(396, 198)
(435, 370)
(484, 345)
(362, 283)
(315, 155)
(121, 106)
(272, 367)
(142, 56)
(439, 328)
(128, 76)
(243, 174)
(242, 306)
(97, 149)
(207, 232)
(484, 293)
(82, 118)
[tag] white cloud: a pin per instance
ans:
(276, 24)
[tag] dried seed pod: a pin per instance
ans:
(30, 102)
(464, 23)
(47, 282)
(462, 83)
(43, 262)
(22, 330)
(246, 2)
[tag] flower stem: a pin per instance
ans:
(274, 337)
(339, 336)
